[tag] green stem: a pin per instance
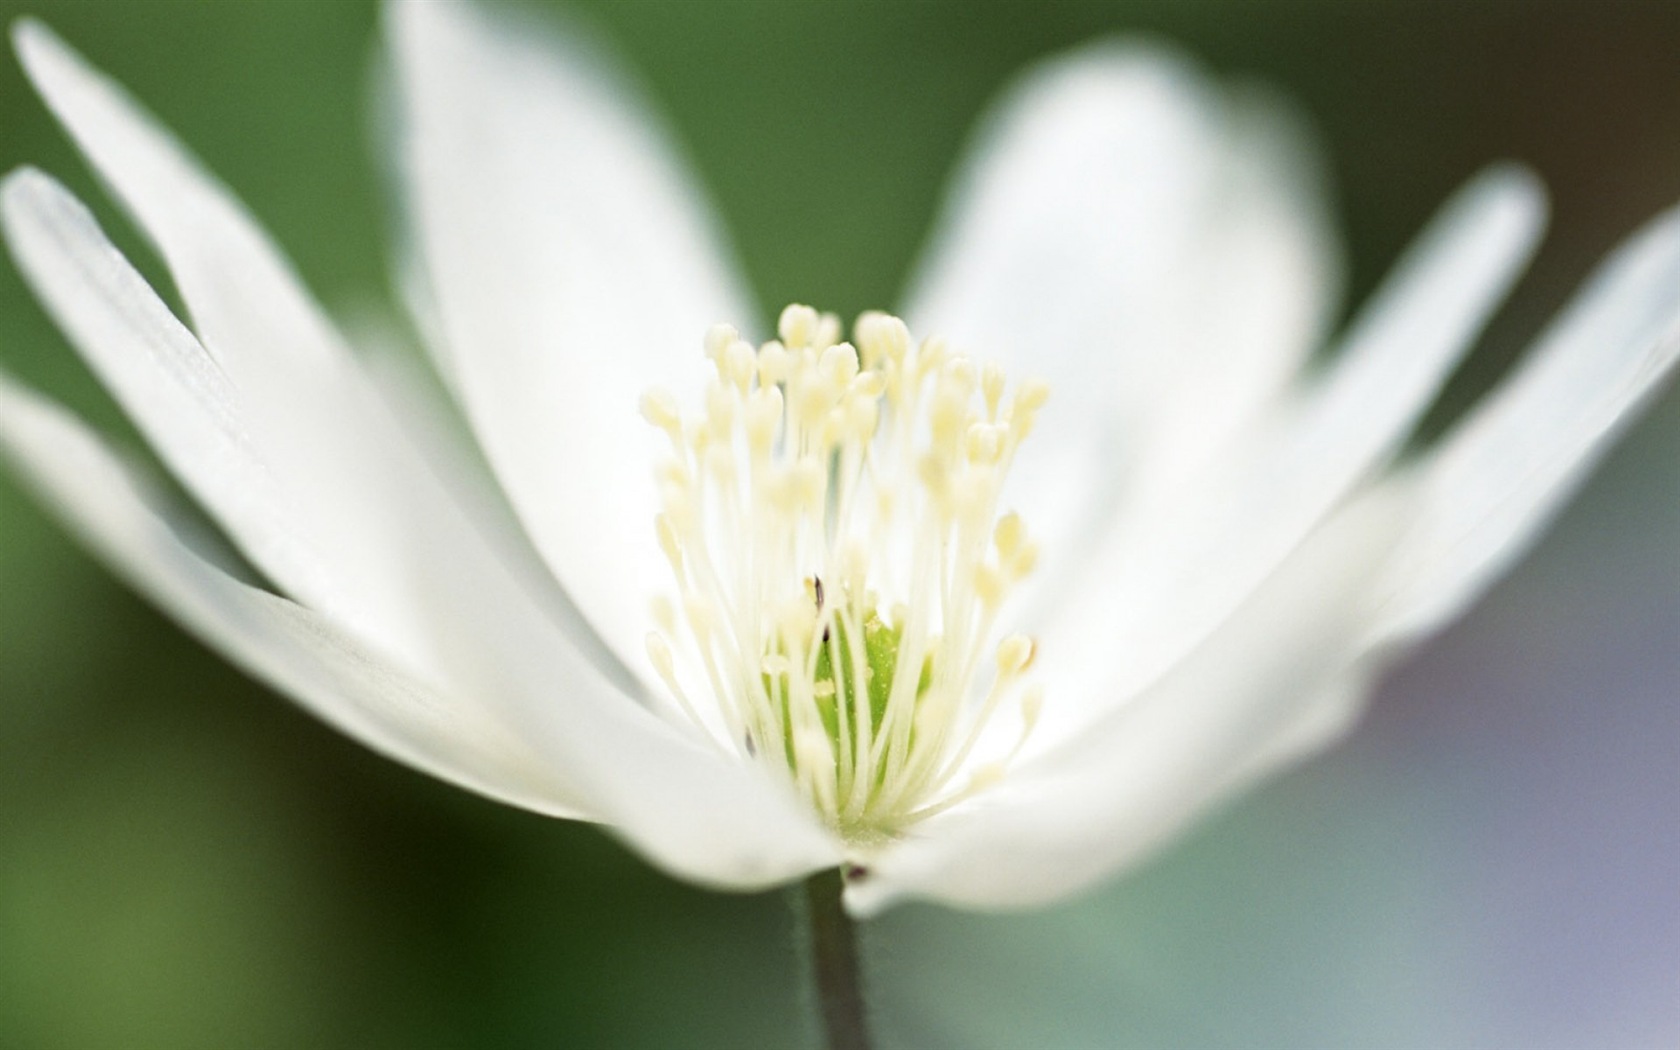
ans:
(834, 954)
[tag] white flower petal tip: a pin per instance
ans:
(34, 43)
(1495, 481)
(124, 518)
(1229, 554)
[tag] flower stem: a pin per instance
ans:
(834, 956)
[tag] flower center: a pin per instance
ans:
(831, 518)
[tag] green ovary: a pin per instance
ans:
(837, 695)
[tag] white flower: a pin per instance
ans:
(1229, 547)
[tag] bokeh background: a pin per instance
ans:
(1492, 860)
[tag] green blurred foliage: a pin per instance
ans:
(186, 861)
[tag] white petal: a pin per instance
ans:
(1259, 295)
(1153, 590)
(335, 527)
(291, 449)
(1419, 324)
(344, 460)
(1498, 478)
(1155, 249)
(688, 811)
(572, 267)
(285, 477)
(286, 645)
(1090, 807)
(244, 299)
(348, 474)
(189, 409)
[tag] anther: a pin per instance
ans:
(659, 654)
(668, 542)
(882, 338)
(738, 365)
(718, 339)
(772, 365)
(797, 325)
(659, 407)
(1014, 655)
(1009, 535)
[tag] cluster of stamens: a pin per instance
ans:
(831, 518)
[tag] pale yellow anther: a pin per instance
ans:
(839, 365)
(984, 443)
(674, 474)
(660, 408)
(1032, 702)
(1015, 654)
(678, 501)
(702, 618)
(881, 338)
(694, 430)
(1009, 534)
(797, 326)
(718, 339)
(772, 364)
(827, 332)
(1032, 394)
(1024, 561)
(869, 385)
(659, 654)
(986, 776)
(930, 355)
(960, 376)
(668, 541)
(739, 364)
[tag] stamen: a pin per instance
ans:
(830, 516)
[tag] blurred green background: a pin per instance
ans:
(1492, 860)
